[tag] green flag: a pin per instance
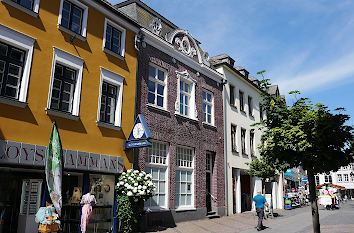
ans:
(53, 168)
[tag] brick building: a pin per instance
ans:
(181, 99)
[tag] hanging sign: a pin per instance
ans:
(140, 134)
(304, 180)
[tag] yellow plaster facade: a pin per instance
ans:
(31, 124)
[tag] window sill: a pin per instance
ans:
(233, 106)
(186, 117)
(209, 125)
(107, 125)
(155, 209)
(61, 114)
(182, 209)
(234, 151)
(13, 102)
(113, 54)
(74, 34)
(243, 111)
(21, 8)
(158, 108)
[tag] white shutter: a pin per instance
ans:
(31, 196)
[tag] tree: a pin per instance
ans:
(304, 134)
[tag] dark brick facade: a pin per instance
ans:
(175, 130)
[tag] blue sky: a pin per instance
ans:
(305, 45)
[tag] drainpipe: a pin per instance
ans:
(225, 147)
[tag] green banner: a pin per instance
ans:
(53, 168)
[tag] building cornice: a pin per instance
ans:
(169, 49)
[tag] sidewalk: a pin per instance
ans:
(226, 224)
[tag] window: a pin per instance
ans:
(157, 87)
(346, 177)
(185, 102)
(234, 138)
(232, 95)
(65, 85)
(184, 178)
(261, 112)
(252, 144)
(352, 177)
(73, 18)
(185, 96)
(339, 177)
(328, 178)
(208, 107)
(114, 39)
(242, 107)
(250, 106)
(110, 100)
(30, 7)
(63, 88)
(30, 196)
(156, 165)
(12, 61)
(16, 51)
(243, 141)
(317, 180)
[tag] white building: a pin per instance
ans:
(241, 110)
(343, 177)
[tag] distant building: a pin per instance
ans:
(180, 96)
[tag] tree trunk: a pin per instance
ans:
(313, 201)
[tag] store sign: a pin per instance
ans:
(304, 180)
(140, 134)
(28, 154)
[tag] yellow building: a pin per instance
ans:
(72, 61)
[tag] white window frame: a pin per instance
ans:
(163, 166)
(34, 12)
(76, 63)
(317, 180)
(116, 80)
(84, 19)
(251, 144)
(212, 108)
(122, 39)
(164, 83)
(189, 169)
(346, 176)
(339, 178)
(185, 77)
(26, 43)
(244, 152)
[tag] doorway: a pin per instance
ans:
(210, 160)
(246, 197)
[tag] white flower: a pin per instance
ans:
(136, 199)
(141, 174)
(136, 171)
(126, 185)
(135, 190)
(144, 187)
(138, 178)
(129, 194)
(142, 192)
(139, 187)
(121, 183)
(123, 173)
(136, 184)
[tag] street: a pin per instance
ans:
(289, 221)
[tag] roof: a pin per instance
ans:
(330, 185)
(110, 7)
(272, 90)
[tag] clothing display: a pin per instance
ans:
(88, 200)
(47, 219)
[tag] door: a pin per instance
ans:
(30, 202)
(246, 197)
(210, 159)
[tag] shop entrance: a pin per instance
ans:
(246, 197)
(210, 160)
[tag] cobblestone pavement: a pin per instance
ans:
(289, 221)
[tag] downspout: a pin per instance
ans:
(225, 146)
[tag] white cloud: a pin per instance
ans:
(322, 77)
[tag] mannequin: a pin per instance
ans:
(87, 201)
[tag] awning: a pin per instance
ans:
(331, 185)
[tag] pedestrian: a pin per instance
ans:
(260, 202)
(346, 198)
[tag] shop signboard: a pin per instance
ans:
(304, 180)
(140, 134)
(34, 155)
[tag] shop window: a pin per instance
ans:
(114, 39)
(184, 178)
(30, 196)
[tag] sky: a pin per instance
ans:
(305, 45)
